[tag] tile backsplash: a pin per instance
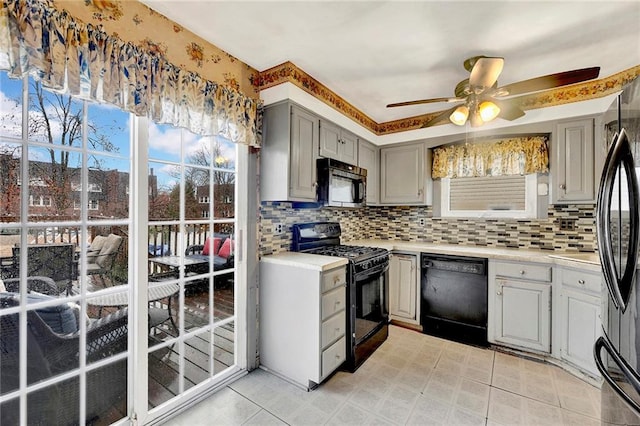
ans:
(404, 223)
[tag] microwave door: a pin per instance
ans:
(617, 220)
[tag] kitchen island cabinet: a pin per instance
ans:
(520, 305)
(289, 153)
(302, 317)
(404, 288)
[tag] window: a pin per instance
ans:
(39, 201)
(490, 196)
(205, 213)
(203, 200)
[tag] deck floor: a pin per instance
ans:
(164, 363)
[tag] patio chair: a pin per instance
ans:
(101, 257)
(49, 354)
(42, 285)
(54, 261)
(220, 246)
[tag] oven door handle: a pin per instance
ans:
(376, 270)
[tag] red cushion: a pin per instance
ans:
(211, 245)
(226, 249)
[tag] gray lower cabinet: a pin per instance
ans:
(573, 164)
(302, 321)
(404, 288)
(369, 158)
(404, 174)
(338, 143)
(578, 317)
(289, 153)
(520, 305)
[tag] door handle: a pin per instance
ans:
(619, 155)
(626, 369)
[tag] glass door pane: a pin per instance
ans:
(191, 249)
(64, 185)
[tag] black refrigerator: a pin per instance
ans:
(617, 352)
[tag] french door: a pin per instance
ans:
(109, 312)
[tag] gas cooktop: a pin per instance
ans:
(355, 253)
(324, 238)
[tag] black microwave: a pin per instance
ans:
(341, 184)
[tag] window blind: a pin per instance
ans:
(488, 193)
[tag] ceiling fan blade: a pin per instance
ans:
(425, 101)
(485, 72)
(508, 110)
(549, 81)
(440, 118)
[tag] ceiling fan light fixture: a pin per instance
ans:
(488, 111)
(459, 115)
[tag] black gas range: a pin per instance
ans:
(367, 293)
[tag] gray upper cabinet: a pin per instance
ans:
(573, 164)
(404, 174)
(289, 153)
(369, 158)
(337, 143)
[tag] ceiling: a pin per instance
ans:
(372, 53)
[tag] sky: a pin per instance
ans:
(164, 140)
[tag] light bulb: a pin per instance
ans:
(488, 111)
(459, 116)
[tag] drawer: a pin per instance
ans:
(333, 302)
(524, 271)
(333, 328)
(334, 278)
(581, 280)
(332, 357)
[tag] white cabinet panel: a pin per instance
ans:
(573, 171)
(403, 287)
(580, 328)
(403, 174)
(523, 314)
(289, 152)
(369, 159)
(302, 328)
(338, 143)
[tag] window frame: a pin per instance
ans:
(532, 182)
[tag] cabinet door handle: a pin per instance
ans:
(581, 282)
(499, 293)
(522, 272)
(563, 186)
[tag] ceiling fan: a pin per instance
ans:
(481, 98)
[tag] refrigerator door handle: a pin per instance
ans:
(619, 285)
(626, 369)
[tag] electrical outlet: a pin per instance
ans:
(422, 221)
(567, 224)
(278, 229)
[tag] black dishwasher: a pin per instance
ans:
(454, 298)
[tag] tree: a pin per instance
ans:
(223, 181)
(57, 120)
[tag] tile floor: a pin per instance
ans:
(411, 379)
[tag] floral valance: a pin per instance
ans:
(509, 156)
(84, 61)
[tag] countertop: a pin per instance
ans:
(305, 260)
(586, 261)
